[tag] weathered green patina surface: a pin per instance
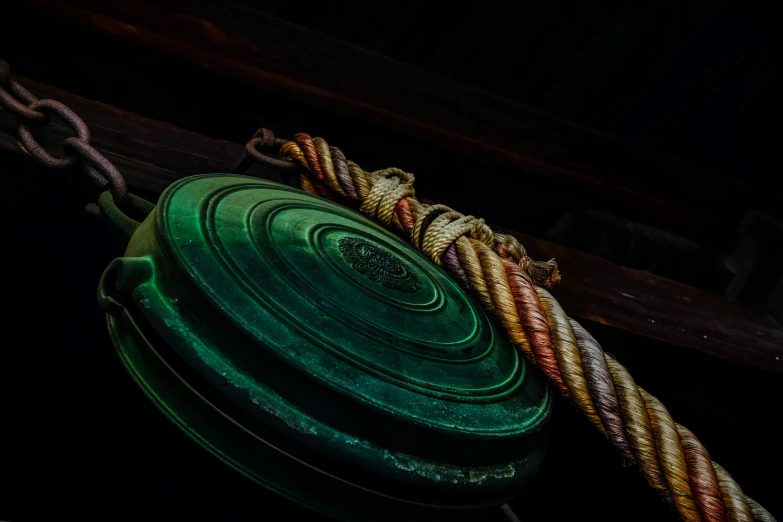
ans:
(303, 344)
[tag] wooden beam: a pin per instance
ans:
(232, 40)
(649, 305)
(152, 154)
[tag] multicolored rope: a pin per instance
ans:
(496, 269)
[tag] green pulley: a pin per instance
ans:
(320, 355)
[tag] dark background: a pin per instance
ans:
(78, 440)
(694, 78)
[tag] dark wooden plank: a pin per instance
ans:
(637, 301)
(233, 40)
(152, 154)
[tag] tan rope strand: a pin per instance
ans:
(359, 178)
(637, 425)
(306, 185)
(759, 513)
(568, 358)
(290, 150)
(737, 506)
(500, 292)
(671, 456)
(472, 266)
(671, 459)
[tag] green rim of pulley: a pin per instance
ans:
(308, 334)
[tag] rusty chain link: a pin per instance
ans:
(30, 112)
(38, 152)
(10, 90)
(265, 141)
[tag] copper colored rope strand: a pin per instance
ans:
(568, 357)
(508, 284)
(310, 154)
(535, 323)
(704, 482)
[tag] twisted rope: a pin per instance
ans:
(496, 269)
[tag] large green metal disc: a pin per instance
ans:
(336, 333)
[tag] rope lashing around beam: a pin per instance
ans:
(496, 269)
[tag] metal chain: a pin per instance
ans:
(32, 112)
(264, 141)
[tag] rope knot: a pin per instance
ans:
(387, 188)
(438, 226)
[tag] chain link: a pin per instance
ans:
(30, 111)
(10, 94)
(101, 171)
(264, 142)
(35, 149)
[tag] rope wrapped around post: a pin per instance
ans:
(495, 268)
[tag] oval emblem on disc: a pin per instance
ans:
(378, 265)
